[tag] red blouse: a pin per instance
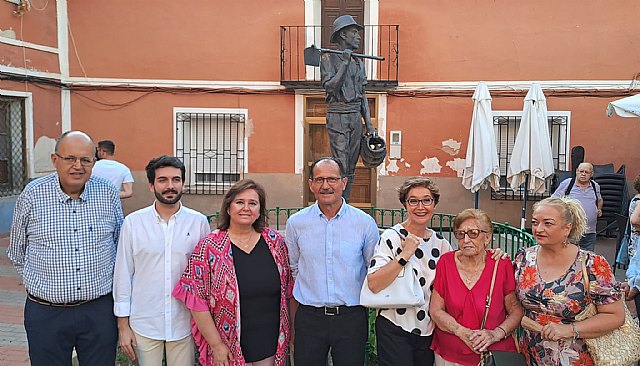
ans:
(467, 306)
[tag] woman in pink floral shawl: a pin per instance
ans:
(242, 259)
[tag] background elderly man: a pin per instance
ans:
(330, 245)
(587, 191)
(344, 80)
(63, 243)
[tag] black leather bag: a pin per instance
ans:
(502, 358)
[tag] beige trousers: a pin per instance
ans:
(150, 351)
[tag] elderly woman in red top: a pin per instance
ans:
(460, 290)
(237, 285)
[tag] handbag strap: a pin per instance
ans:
(488, 302)
(585, 275)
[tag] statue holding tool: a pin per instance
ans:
(343, 78)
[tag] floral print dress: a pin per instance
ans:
(559, 301)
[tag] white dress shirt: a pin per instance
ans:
(152, 254)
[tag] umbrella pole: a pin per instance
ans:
(476, 200)
(523, 219)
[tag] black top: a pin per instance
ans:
(259, 288)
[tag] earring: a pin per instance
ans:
(565, 243)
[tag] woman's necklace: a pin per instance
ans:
(244, 242)
(470, 275)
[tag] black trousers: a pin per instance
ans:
(345, 334)
(399, 347)
(53, 332)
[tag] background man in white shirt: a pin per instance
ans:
(114, 171)
(155, 245)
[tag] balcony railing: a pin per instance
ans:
(378, 40)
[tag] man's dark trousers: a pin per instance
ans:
(317, 331)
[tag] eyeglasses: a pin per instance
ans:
(415, 201)
(72, 160)
(331, 180)
(471, 233)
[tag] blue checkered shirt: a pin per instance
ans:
(65, 248)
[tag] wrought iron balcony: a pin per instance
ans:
(378, 40)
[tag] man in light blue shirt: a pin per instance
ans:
(330, 245)
(587, 192)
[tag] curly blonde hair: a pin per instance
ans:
(572, 213)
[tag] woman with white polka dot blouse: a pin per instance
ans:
(404, 334)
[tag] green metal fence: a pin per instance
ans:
(505, 237)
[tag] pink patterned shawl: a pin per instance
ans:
(209, 284)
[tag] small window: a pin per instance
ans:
(506, 125)
(212, 147)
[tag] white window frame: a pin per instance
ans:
(177, 136)
(567, 150)
(28, 125)
(313, 17)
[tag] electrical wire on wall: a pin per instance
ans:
(82, 90)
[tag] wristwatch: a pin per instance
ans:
(402, 261)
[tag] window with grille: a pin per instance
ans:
(505, 125)
(211, 143)
(12, 147)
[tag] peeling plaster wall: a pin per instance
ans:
(430, 166)
(42, 151)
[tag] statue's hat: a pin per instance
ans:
(342, 22)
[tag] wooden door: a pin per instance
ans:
(331, 9)
(318, 146)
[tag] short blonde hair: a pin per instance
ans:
(473, 213)
(572, 213)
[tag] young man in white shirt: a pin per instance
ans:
(155, 245)
(115, 172)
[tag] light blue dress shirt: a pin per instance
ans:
(329, 258)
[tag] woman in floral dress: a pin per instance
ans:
(550, 287)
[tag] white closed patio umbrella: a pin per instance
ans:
(625, 107)
(481, 168)
(531, 160)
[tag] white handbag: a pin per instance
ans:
(404, 292)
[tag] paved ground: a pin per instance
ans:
(13, 340)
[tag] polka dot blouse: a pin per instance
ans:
(415, 319)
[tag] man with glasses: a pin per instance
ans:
(63, 243)
(330, 245)
(587, 191)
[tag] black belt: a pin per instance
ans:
(334, 310)
(62, 305)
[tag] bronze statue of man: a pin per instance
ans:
(344, 80)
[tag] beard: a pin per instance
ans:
(161, 199)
